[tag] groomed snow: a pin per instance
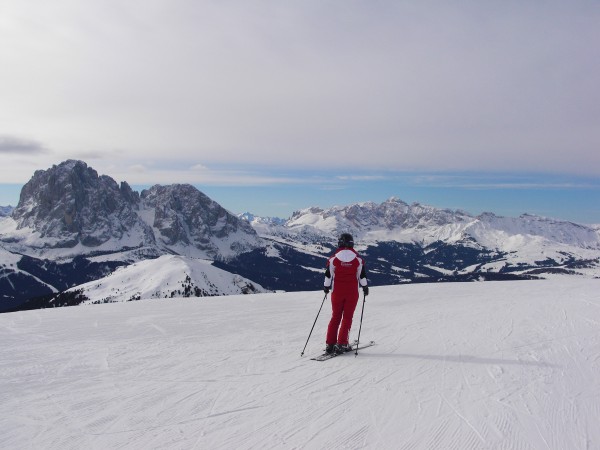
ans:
(507, 365)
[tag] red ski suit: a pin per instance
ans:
(346, 272)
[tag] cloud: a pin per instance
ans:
(198, 174)
(474, 181)
(199, 167)
(19, 146)
(138, 169)
(361, 177)
(395, 85)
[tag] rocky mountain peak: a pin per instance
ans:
(185, 217)
(71, 204)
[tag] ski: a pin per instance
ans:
(326, 356)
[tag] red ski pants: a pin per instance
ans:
(343, 304)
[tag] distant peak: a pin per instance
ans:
(71, 164)
(253, 218)
(487, 215)
(395, 200)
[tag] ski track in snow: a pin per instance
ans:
(499, 365)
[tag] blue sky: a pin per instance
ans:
(272, 106)
(574, 199)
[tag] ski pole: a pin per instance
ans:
(313, 327)
(360, 326)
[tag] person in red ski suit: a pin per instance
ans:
(345, 272)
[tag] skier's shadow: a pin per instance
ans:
(462, 359)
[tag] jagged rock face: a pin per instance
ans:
(185, 216)
(72, 204)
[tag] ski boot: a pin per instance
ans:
(342, 348)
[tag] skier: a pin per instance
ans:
(345, 272)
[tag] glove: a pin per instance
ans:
(326, 290)
(366, 290)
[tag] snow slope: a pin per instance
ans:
(164, 277)
(511, 365)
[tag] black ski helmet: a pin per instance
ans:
(346, 240)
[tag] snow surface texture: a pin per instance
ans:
(463, 366)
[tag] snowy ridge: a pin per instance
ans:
(165, 277)
(511, 365)
(9, 266)
(257, 220)
(551, 230)
(527, 239)
(28, 241)
(396, 220)
(390, 220)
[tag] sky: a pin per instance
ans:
(273, 106)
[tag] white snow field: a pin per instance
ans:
(504, 365)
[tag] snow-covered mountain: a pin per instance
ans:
(165, 277)
(72, 226)
(395, 220)
(510, 365)
(257, 220)
(187, 222)
(68, 210)
(390, 220)
(73, 210)
(523, 241)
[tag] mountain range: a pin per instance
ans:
(73, 227)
